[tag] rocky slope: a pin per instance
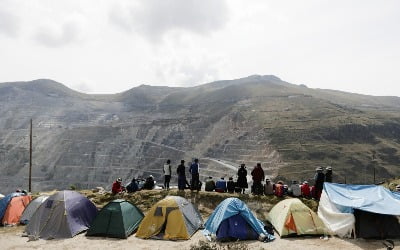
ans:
(89, 140)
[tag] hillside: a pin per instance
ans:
(89, 140)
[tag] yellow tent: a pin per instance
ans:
(173, 218)
(291, 217)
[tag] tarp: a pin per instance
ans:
(62, 215)
(370, 198)
(118, 219)
(291, 217)
(231, 207)
(15, 209)
(172, 218)
(31, 208)
(4, 203)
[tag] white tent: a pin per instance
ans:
(31, 208)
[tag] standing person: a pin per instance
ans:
(181, 175)
(242, 178)
(194, 171)
(258, 177)
(319, 179)
(167, 174)
(328, 174)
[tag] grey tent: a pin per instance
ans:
(31, 208)
(62, 215)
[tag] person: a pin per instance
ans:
(328, 174)
(398, 188)
(285, 189)
(258, 177)
(181, 175)
(194, 171)
(242, 178)
(268, 187)
(167, 174)
(220, 186)
(117, 186)
(319, 179)
(210, 184)
(278, 189)
(305, 190)
(295, 189)
(133, 186)
(230, 185)
(149, 184)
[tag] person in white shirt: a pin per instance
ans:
(167, 174)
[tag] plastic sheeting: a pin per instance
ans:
(231, 207)
(370, 198)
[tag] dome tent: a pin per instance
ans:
(233, 220)
(172, 218)
(291, 217)
(118, 219)
(31, 208)
(15, 208)
(62, 215)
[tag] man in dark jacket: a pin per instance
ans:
(133, 186)
(230, 185)
(181, 175)
(194, 171)
(319, 179)
(258, 177)
(210, 184)
(328, 174)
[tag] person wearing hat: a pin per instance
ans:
(242, 178)
(181, 175)
(305, 190)
(328, 174)
(230, 185)
(319, 179)
(117, 186)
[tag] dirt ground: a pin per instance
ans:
(10, 238)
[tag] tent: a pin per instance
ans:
(31, 208)
(62, 215)
(5, 201)
(291, 217)
(15, 208)
(172, 218)
(233, 220)
(367, 211)
(118, 219)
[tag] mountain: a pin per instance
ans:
(89, 140)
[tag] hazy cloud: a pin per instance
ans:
(58, 36)
(153, 18)
(9, 22)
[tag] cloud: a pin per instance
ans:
(154, 19)
(53, 36)
(9, 23)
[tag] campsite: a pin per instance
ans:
(208, 204)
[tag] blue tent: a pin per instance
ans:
(4, 203)
(232, 219)
(369, 198)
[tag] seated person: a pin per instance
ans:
(210, 184)
(133, 186)
(278, 188)
(305, 190)
(230, 185)
(268, 187)
(295, 189)
(149, 184)
(220, 186)
(117, 187)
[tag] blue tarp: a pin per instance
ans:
(4, 203)
(370, 198)
(228, 208)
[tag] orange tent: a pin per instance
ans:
(15, 209)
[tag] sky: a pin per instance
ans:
(102, 46)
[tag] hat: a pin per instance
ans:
(151, 176)
(267, 179)
(182, 161)
(305, 182)
(119, 180)
(329, 168)
(318, 169)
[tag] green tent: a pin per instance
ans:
(117, 219)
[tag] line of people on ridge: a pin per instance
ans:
(221, 185)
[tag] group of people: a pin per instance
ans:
(231, 186)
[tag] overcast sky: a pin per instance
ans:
(105, 46)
